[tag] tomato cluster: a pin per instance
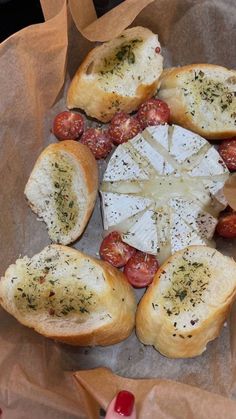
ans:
(139, 267)
(70, 125)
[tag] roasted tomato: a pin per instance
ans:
(227, 150)
(226, 226)
(115, 251)
(153, 112)
(140, 269)
(98, 141)
(68, 125)
(123, 127)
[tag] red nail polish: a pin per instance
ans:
(124, 403)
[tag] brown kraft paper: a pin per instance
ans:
(36, 374)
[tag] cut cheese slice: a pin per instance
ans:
(215, 187)
(160, 136)
(152, 156)
(143, 233)
(120, 209)
(185, 144)
(181, 235)
(202, 222)
(122, 166)
(163, 190)
(210, 165)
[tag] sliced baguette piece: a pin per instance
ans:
(69, 296)
(62, 189)
(187, 303)
(201, 98)
(118, 75)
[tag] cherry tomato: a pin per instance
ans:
(98, 141)
(115, 251)
(226, 226)
(140, 269)
(123, 127)
(153, 112)
(68, 125)
(227, 150)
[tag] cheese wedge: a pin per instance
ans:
(201, 97)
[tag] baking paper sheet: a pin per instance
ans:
(36, 374)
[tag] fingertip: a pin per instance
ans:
(122, 405)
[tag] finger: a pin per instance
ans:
(122, 406)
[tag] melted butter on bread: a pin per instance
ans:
(207, 95)
(118, 75)
(69, 296)
(64, 198)
(187, 303)
(46, 287)
(190, 280)
(202, 98)
(62, 189)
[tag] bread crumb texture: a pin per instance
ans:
(207, 95)
(58, 284)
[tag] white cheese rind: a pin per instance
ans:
(182, 235)
(160, 135)
(118, 209)
(202, 222)
(145, 150)
(184, 145)
(210, 165)
(143, 233)
(123, 167)
(179, 180)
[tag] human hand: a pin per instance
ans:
(122, 405)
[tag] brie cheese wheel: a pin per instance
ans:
(163, 190)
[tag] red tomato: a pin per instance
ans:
(158, 50)
(226, 226)
(123, 127)
(98, 141)
(227, 150)
(140, 269)
(115, 251)
(153, 112)
(68, 125)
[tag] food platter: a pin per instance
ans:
(129, 358)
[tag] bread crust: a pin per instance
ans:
(86, 94)
(100, 105)
(160, 332)
(169, 91)
(119, 301)
(88, 168)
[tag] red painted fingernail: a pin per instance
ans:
(124, 403)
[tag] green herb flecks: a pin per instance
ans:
(52, 294)
(64, 197)
(123, 55)
(189, 281)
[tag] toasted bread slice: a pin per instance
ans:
(118, 75)
(62, 189)
(201, 98)
(69, 296)
(188, 302)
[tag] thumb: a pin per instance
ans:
(122, 406)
